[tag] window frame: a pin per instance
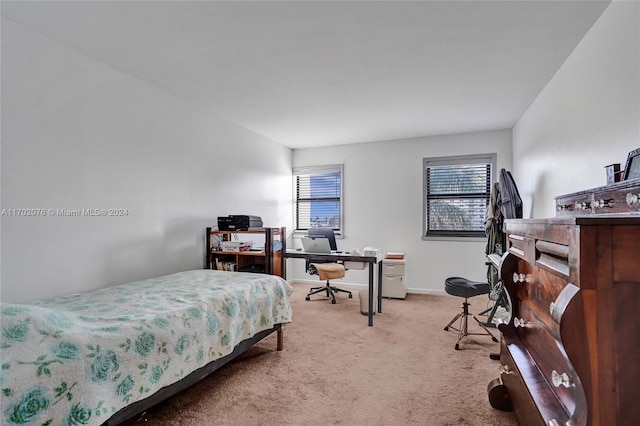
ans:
(489, 159)
(318, 170)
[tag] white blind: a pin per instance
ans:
(318, 197)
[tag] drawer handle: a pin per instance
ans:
(560, 379)
(519, 322)
(600, 204)
(519, 278)
(582, 205)
(504, 369)
(633, 199)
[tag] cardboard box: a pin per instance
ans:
(394, 255)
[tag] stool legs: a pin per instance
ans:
(463, 326)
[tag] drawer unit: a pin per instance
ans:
(393, 267)
(393, 278)
(569, 352)
(618, 198)
(511, 375)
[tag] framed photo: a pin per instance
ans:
(632, 168)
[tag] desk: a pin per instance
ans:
(335, 257)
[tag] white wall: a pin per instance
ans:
(77, 134)
(383, 205)
(588, 116)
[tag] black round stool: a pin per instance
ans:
(462, 287)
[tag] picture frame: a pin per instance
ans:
(632, 166)
(614, 174)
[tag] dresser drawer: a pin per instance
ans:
(553, 363)
(393, 286)
(525, 409)
(621, 197)
(391, 281)
(574, 204)
(533, 400)
(538, 288)
(622, 200)
(523, 247)
(533, 395)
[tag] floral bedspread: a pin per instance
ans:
(79, 359)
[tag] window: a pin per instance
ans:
(456, 195)
(317, 197)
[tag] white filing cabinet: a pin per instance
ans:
(393, 278)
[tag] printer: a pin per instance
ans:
(238, 222)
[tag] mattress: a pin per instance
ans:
(79, 359)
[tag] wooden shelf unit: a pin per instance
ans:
(269, 260)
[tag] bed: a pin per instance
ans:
(104, 357)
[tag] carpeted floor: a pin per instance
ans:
(335, 370)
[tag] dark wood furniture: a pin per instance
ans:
(268, 260)
(570, 352)
(343, 257)
(618, 198)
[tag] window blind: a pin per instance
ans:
(318, 197)
(457, 192)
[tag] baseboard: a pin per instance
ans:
(426, 291)
(358, 286)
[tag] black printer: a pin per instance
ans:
(238, 222)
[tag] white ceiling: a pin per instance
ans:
(311, 73)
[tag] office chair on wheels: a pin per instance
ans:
(325, 269)
(326, 272)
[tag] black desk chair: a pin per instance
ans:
(462, 287)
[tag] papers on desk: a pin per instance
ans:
(370, 251)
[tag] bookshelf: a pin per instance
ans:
(225, 251)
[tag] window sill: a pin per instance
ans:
(301, 234)
(457, 239)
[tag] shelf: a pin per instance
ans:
(270, 260)
(244, 231)
(239, 253)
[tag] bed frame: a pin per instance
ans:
(137, 410)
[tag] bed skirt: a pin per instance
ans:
(138, 409)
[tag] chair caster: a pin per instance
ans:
(446, 329)
(307, 298)
(350, 296)
(457, 347)
(333, 301)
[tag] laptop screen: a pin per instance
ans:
(316, 245)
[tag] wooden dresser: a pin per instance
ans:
(570, 354)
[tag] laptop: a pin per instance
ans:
(316, 245)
